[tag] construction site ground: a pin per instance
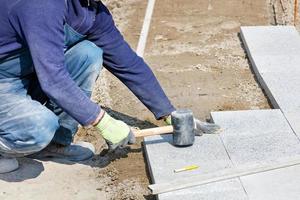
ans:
(195, 50)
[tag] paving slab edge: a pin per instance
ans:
(259, 77)
(256, 71)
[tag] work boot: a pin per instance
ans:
(78, 151)
(8, 164)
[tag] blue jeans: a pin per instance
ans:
(29, 121)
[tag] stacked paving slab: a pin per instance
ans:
(249, 138)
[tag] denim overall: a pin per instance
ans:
(29, 121)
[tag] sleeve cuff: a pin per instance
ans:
(92, 117)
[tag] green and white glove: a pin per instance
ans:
(116, 133)
(199, 126)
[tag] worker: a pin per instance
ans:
(51, 53)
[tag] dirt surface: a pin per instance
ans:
(123, 175)
(195, 51)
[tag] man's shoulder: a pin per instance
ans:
(36, 6)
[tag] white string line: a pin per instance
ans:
(145, 30)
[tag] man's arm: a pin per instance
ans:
(123, 62)
(41, 25)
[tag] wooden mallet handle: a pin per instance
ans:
(153, 131)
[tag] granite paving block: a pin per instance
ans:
(294, 121)
(261, 136)
(248, 122)
(285, 63)
(257, 138)
(224, 190)
(279, 184)
(271, 40)
(208, 153)
(247, 138)
(285, 89)
(274, 53)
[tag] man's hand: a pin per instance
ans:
(116, 133)
(200, 127)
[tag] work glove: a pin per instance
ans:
(200, 127)
(116, 133)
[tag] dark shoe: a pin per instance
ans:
(8, 165)
(78, 151)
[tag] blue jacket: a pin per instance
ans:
(38, 25)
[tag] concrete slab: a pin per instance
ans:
(274, 185)
(285, 89)
(274, 53)
(225, 190)
(294, 120)
(262, 136)
(208, 153)
(257, 138)
(251, 137)
(271, 40)
(284, 63)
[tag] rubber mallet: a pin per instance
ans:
(182, 129)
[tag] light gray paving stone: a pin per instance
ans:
(208, 153)
(285, 89)
(285, 63)
(248, 122)
(224, 190)
(274, 53)
(258, 136)
(250, 138)
(279, 184)
(271, 40)
(294, 121)
(285, 92)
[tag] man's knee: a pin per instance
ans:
(90, 55)
(84, 62)
(38, 131)
(46, 126)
